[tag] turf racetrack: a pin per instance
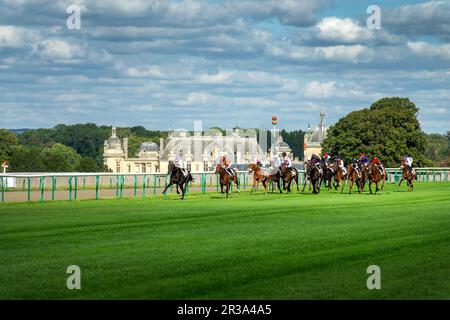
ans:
(297, 246)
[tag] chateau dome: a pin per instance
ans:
(148, 147)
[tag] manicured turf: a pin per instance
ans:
(297, 246)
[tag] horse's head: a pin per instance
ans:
(251, 167)
(218, 168)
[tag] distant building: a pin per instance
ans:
(115, 156)
(313, 138)
(200, 152)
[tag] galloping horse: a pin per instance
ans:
(327, 175)
(375, 176)
(315, 176)
(288, 174)
(259, 176)
(352, 176)
(338, 174)
(409, 175)
(178, 178)
(225, 179)
(364, 176)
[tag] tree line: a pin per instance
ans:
(388, 129)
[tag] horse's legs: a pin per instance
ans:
(183, 190)
(401, 180)
(253, 186)
(227, 188)
(370, 186)
(343, 184)
(167, 187)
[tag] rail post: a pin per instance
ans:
(97, 179)
(144, 180)
(117, 186)
(42, 186)
(53, 188)
(3, 190)
(76, 188)
(70, 188)
(135, 186)
(29, 188)
(154, 184)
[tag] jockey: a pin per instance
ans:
(340, 162)
(179, 163)
(326, 158)
(355, 163)
(227, 165)
(364, 160)
(259, 163)
(276, 163)
(408, 161)
(286, 160)
(377, 162)
(315, 159)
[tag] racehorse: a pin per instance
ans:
(307, 166)
(375, 176)
(338, 174)
(409, 175)
(364, 176)
(288, 174)
(225, 179)
(352, 177)
(259, 176)
(178, 178)
(315, 176)
(327, 175)
(276, 179)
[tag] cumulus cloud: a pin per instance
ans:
(428, 18)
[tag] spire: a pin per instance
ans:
(114, 131)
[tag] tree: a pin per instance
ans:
(88, 165)
(24, 159)
(295, 140)
(388, 129)
(8, 141)
(60, 158)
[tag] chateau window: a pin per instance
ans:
(118, 167)
(144, 168)
(188, 166)
(129, 169)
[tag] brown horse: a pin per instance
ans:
(288, 175)
(364, 176)
(352, 177)
(225, 179)
(328, 174)
(259, 176)
(409, 175)
(376, 175)
(338, 174)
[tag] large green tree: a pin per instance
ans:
(8, 141)
(388, 129)
(60, 158)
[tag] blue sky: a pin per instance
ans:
(160, 63)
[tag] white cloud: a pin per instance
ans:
(16, 37)
(441, 51)
(58, 49)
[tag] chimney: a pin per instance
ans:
(125, 147)
(161, 144)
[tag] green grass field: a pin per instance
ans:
(297, 246)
